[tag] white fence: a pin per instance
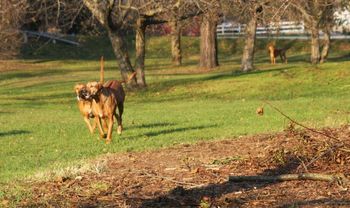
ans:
(231, 29)
(282, 30)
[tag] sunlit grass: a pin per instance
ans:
(41, 127)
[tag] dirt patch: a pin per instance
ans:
(197, 175)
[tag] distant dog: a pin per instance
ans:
(106, 99)
(85, 101)
(274, 52)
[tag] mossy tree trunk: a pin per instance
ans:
(176, 42)
(326, 44)
(315, 43)
(140, 53)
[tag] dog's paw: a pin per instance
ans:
(108, 141)
(103, 136)
(119, 130)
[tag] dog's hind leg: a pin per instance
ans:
(110, 128)
(283, 57)
(119, 118)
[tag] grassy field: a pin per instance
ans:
(41, 128)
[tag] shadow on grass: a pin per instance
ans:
(345, 57)
(151, 125)
(13, 133)
(207, 77)
(5, 112)
(169, 131)
(32, 74)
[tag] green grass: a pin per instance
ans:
(42, 129)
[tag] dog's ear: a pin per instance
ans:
(94, 87)
(99, 85)
(78, 87)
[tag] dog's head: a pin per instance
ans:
(271, 47)
(93, 88)
(81, 91)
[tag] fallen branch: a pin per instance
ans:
(340, 178)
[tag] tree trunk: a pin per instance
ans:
(176, 43)
(315, 43)
(102, 11)
(248, 51)
(326, 45)
(140, 54)
(208, 44)
(122, 55)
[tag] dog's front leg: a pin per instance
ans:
(104, 124)
(93, 125)
(91, 128)
(110, 128)
(98, 122)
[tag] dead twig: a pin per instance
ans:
(330, 149)
(299, 124)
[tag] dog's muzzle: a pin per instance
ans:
(84, 94)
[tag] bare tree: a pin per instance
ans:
(250, 13)
(316, 14)
(116, 16)
(11, 19)
(55, 15)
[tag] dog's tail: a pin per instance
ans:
(129, 78)
(102, 72)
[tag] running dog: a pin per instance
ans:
(85, 105)
(85, 102)
(274, 52)
(106, 98)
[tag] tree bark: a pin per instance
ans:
(248, 51)
(176, 43)
(326, 45)
(208, 43)
(140, 54)
(122, 56)
(102, 10)
(315, 43)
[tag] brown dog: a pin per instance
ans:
(85, 102)
(105, 100)
(274, 52)
(85, 105)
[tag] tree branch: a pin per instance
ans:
(340, 178)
